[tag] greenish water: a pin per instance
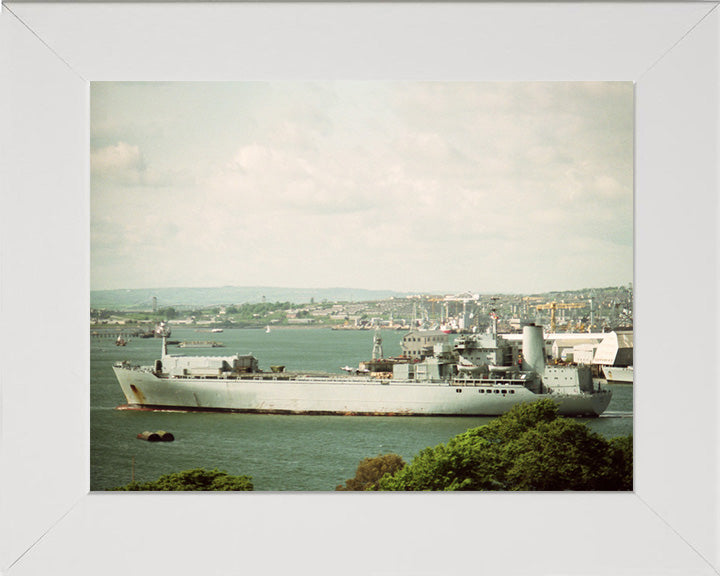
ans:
(280, 452)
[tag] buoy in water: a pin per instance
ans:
(159, 436)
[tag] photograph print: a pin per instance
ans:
(361, 286)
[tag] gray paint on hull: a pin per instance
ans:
(341, 396)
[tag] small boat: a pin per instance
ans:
(200, 344)
(267, 329)
(216, 330)
(162, 330)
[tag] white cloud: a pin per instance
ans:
(121, 162)
(435, 184)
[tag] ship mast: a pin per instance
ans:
(164, 332)
(377, 352)
(494, 316)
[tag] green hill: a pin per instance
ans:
(142, 299)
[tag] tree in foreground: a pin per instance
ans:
(529, 448)
(191, 480)
(621, 454)
(370, 470)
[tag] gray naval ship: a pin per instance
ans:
(480, 375)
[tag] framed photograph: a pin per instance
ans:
(52, 53)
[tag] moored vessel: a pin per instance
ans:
(618, 374)
(200, 344)
(614, 356)
(438, 385)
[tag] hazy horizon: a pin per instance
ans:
(406, 187)
(360, 289)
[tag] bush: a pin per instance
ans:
(371, 470)
(529, 448)
(197, 479)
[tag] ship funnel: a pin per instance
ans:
(533, 349)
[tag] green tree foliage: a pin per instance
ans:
(621, 454)
(529, 448)
(100, 314)
(371, 470)
(559, 455)
(168, 313)
(253, 312)
(196, 479)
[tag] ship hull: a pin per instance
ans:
(621, 375)
(357, 396)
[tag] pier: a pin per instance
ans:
(115, 334)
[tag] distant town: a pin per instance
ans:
(588, 310)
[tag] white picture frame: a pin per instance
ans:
(50, 523)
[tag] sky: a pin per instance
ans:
(407, 186)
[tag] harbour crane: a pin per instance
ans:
(553, 306)
(622, 307)
(433, 300)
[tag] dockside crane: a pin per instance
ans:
(553, 306)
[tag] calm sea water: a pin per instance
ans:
(279, 452)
